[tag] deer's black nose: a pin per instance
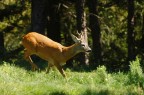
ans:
(88, 50)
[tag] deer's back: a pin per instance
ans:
(42, 46)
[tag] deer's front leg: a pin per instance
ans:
(28, 58)
(60, 69)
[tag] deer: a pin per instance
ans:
(55, 53)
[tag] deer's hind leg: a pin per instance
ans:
(27, 57)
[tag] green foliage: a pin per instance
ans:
(15, 19)
(136, 75)
(18, 81)
(113, 35)
(102, 74)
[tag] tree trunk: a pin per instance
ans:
(95, 31)
(142, 40)
(2, 48)
(38, 19)
(38, 16)
(53, 24)
(130, 35)
(81, 26)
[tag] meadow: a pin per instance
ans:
(15, 80)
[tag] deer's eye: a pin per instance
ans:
(83, 45)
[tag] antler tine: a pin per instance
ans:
(79, 34)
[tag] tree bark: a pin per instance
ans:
(53, 24)
(81, 26)
(130, 27)
(142, 40)
(38, 16)
(2, 48)
(95, 31)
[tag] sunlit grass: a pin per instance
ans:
(18, 81)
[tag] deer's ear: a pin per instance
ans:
(74, 38)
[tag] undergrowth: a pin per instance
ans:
(16, 80)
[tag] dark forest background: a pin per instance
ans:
(115, 29)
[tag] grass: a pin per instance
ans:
(15, 80)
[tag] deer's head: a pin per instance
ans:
(81, 41)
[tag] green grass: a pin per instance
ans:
(18, 81)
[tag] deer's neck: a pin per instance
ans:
(70, 51)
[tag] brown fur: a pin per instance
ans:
(49, 50)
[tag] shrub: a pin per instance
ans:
(102, 74)
(136, 74)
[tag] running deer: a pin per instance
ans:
(51, 51)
